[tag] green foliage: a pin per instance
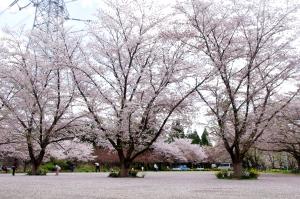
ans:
(133, 173)
(224, 174)
(85, 168)
(205, 139)
(49, 166)
(250, 174)
(40, 172)
(194, 137)
(283, 171)
(177, 131)
(247, 174)
(62, 163)
(114, 174)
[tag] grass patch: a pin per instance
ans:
(282, 171)
(85, 168)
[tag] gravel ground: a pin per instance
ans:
(165, 185)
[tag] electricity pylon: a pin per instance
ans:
(49, 15)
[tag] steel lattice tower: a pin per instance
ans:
(49, 15)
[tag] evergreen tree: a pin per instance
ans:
(194, 137)
(205, 139)
(177, 131)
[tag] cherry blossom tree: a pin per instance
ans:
(178, 151)
(248, 46)
(73, 150)
(35, 92)
(285, 132)
(133, 80)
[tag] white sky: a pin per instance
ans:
(13, 18)
(80, 9)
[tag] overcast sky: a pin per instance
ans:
(80, 9)
(13, 18)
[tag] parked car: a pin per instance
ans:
(225, 166)
(181, 168)
(200, 168)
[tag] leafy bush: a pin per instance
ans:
(224, 174)
(133, 173)
(49, 166)
(85, 168)
(114, 174)
(296, 171)
(250, 174)
(253, 174)
(247, 174)
(40, 172)
(62, 163)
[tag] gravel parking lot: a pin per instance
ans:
(175, 185)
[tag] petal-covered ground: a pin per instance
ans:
(165, 185)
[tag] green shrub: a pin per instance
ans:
(296, 171)
(62, 163)
(114, 174)
(247, 174)
(253, 174)
(224, 174)
(49, 166)
(133, 173)
(40, 172)
(85, 168)
(105, 168)
(250, 174)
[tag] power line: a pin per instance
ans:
(9, 6)
(21, 8)
(70, 1)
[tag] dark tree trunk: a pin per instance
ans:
(25, 166)
(35, 167)
(37, 161)
(124, 168)
(298, 162)
(237, 162)
(237, 169)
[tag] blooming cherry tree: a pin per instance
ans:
(248, 46)
(36, 95)
(133, 80)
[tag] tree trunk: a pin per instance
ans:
(298, 161)
(35, 167)
(25, 166)
(237, 169)
(124, 168)
(237, 160)
(36, 161)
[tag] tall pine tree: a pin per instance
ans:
(194, 137)
(177, 131)
(205, 138)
